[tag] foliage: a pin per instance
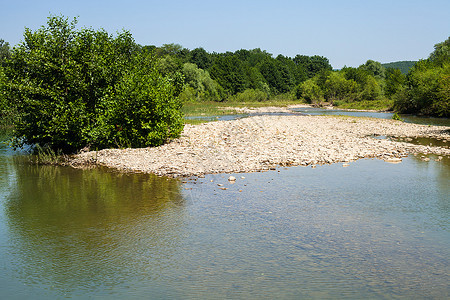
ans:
(5, 51)
(395, 116)
(199, 85)
(403, 66)
(201, 58)
(374, 68)
(75, 88)
(395, 80)
(427, 86)
(310, 91)
(337, 87)
(228, 71)
(249, 95)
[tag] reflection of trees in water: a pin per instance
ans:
(76, 228)
(440, 172)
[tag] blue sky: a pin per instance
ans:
(347, 32)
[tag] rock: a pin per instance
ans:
(393, 160)
(262, 142)
(231, 178)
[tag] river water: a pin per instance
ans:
(369, 230)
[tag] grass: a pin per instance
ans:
(211, 108)
(192, 109)
(47, 156)
(378, 105)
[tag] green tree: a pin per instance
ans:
(337, 87)
(199, 85)
(311, 92)
(201, 58)
(427, 85)
(441, 53)
(5, 51)
(67, 85)
(374, 68)
(228, 71)
(395, 80)
(403, 66)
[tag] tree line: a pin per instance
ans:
(256, 75)
(67, 88)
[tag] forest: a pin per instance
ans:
(256, 75)
(69, 88)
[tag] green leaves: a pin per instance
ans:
(75, 88)
(427, 85)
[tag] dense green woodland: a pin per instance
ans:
(403, 66)
(68, 88)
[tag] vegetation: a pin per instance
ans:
(76, 88)
(403, 66)
(65, 88)
(427, 87)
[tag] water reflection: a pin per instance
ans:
(78, 229)
(370, 230)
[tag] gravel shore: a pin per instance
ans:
(265, 142)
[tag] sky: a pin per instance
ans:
(347, 32)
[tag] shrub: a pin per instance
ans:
(75, 88)
(249, 95)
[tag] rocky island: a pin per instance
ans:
(266, 142)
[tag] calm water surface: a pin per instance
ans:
(380, 115)
(370, 230)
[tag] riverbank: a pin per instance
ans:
(266, 142)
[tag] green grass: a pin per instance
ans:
(211, 108)
(191, 109)
(380, 105)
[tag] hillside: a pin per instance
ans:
(403, 66)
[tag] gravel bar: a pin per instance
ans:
(266, 142)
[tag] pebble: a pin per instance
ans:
(262, 143)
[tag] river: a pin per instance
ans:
(369, 230)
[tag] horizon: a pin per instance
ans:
(348, 33)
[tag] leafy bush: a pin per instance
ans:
(75, 88)
(249, 95)
(428, 85)
(311, 92)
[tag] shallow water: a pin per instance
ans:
(369, 230)
(313, 111)
(380, 115)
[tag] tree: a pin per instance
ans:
(395, 80)
(374, 68)
(75, 88)
(403, 66)
(5, 51)
(427, 85)
(441, 53)
(199, 85)
(339, 88)
(311, 92)
(312, 64)
(228, 71)
(201, 58)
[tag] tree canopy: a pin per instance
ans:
(74, 88)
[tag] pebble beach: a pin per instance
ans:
(265, 142)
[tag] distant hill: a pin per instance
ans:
(403, 66)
